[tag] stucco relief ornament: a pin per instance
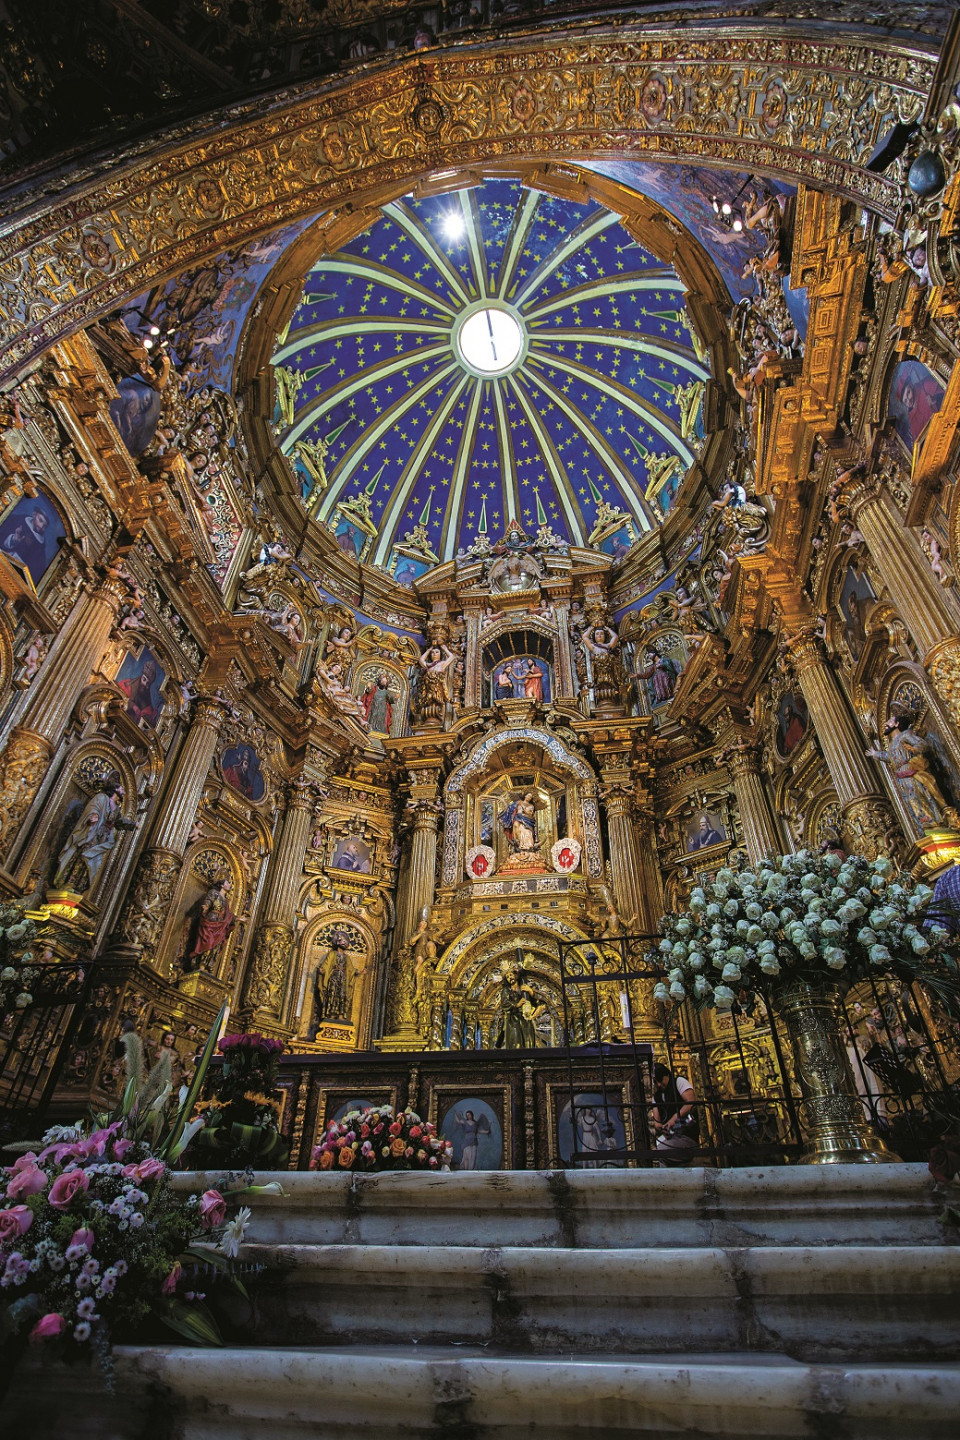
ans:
(481, 862)
(565, 855)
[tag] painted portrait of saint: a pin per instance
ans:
(856, 595)
(240, 767)
(350, 539)
(30, 535)
(618, 544)
(792, 722)
(141, 679)
(915, 397)
(407, 570)
(352, 854)
(707, 830)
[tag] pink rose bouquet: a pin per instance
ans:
(378, 1139)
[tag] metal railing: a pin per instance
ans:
(34, 1043)
(903, 1047)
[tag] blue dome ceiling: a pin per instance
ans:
(404, 440)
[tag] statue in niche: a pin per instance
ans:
(332, 986)
(914, 764)
(208, 925)
(91, 836)
(520, 1007)
(377, 702)
(519, 825)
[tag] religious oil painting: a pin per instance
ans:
(240, 767)
(352, 853)
(706, 829)
(475, 1130)
(791, 723)
(856, 596)
(31, 533)
(914, 397)
(591, 1137)
(618, 544)
(407, 569)
(350, 538)
(141, 678)
(524, 677)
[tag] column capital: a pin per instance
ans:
(302, 793)
(854, 488)
(804, 646)
(742, 757)
(209, 710)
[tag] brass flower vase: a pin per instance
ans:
(835, 1124)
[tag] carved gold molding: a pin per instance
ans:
(809, 108)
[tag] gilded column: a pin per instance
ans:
(142, 918)
(625, 867)
(652, 881)
(869, 827)
(421, 877)
(760, 833)
(273, 942)
(74, 655)
(925, 606)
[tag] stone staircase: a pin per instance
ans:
(818, 1302)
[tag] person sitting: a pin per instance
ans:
(674, 1119)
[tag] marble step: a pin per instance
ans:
(826, 1303)
(609, 1209)
(394, 1394)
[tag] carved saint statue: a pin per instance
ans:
(91, 838)
(377, 702)
(332, 982)
(208, 927)
(519, 824)
(520, 1006)
(914, 764)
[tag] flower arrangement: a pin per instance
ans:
(17, 973)
(93, 1240)
(378, 1139)
(243, 1116)
(800, 917)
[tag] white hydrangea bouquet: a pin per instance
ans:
(803, 917)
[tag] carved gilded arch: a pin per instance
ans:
(468, 953)
(757, 97)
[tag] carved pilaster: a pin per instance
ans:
(943, 667)
(273, 943)
(148, 903)
(625, 868)
(268, 970)
(23, 765)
